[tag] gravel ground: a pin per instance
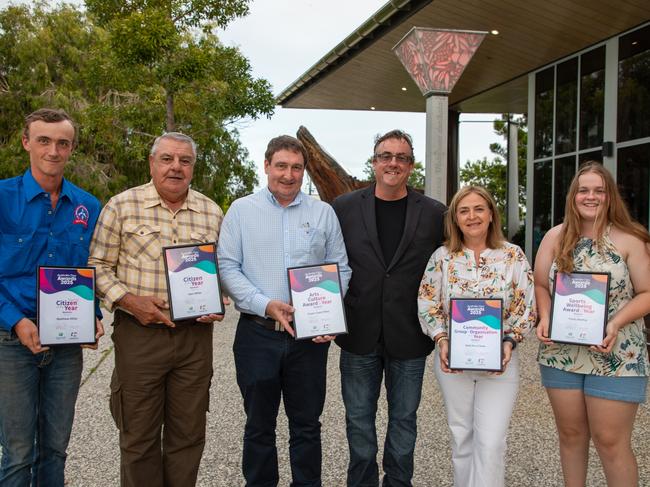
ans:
(532, 459)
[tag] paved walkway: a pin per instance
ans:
(532, 460)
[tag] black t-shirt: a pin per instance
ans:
(390, 225)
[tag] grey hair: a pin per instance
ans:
(394, 134)
(174, 136)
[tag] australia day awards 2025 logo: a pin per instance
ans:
(188, 260)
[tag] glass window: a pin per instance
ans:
(565, 169)
(592, 97)
(566, 102)
(634, 85)
(633, 179)
(542, 195)
(596, 155)
(544, 113)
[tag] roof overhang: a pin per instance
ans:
(363, 72)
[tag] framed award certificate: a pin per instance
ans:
(476, 334)
(193, 283)
(65, 305)
(316, 296)
(579, 307)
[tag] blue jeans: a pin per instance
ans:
(361, 377)
(37, 400)
(271, 364)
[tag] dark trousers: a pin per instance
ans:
(361, 377)
(271, 365)
(159, 398)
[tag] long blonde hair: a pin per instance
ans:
(454, 241)
(615, 212)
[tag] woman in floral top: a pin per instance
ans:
(476, 262)
(595, 391)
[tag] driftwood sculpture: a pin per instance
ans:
(327, 175)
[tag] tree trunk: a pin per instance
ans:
(171, 124)
(330, 179)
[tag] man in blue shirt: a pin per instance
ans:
(261, 236)
(44, 220)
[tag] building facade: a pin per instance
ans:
(592, 105)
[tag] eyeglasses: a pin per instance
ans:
(386, 157)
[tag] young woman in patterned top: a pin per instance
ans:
(595, 391)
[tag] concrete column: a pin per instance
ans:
(453, 180)
(530, 179)
(435, 183)
(610, 116)
(513, 179)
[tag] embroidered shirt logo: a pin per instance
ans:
(81, 215)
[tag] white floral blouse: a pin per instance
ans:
(629, 357)
(501, 273)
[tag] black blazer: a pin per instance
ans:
(383, 295)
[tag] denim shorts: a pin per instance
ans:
(627, 389)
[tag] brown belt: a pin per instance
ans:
(268, 323)
(159, 326)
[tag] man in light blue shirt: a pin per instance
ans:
(261, 236)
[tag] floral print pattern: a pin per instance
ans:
(501, 273)
(629, 357)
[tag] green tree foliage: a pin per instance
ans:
(492, 174)
(489, 174)
(416, 179)
(124, 71)
(183, 13)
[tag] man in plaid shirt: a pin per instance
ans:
(162, 368)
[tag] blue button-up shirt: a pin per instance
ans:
(32, 233)
(260, 239)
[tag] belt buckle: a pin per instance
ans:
(278, 326)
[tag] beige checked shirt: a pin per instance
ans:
(131, 231)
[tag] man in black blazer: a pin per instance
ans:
(390, 232)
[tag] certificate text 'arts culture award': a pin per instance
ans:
(317, 300)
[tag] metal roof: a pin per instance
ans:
(362, 71)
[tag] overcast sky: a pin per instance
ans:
(284, 38)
